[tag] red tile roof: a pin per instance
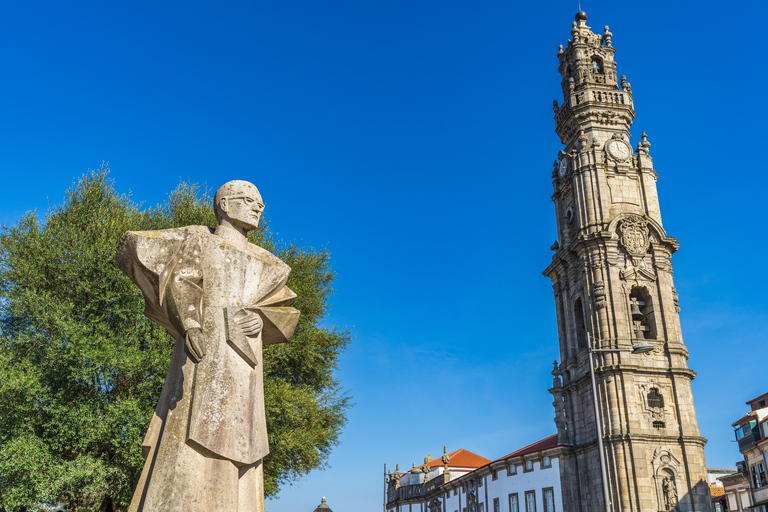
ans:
(538, 446)
(461, 458)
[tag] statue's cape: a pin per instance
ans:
(150, 257)
(191, 278)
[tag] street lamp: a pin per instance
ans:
(642, 347)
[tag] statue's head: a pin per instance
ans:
(238, 202)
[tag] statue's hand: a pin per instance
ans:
(195, 345)
(250, 324)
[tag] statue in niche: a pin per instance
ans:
(670, 493)
(221, 298)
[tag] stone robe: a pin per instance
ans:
(205, 443)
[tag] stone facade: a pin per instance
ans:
(612, 280)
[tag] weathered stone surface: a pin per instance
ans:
(222, 299)
(612, 280)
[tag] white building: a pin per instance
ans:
(526, 480)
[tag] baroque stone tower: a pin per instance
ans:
(612, 280)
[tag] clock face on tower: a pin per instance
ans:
(618, 149)
(563, 166)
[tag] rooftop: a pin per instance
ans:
(461, 458)
(755, 402)
(538, 446)
(745, 419)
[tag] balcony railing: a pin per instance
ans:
(747, 441)
(414, 491)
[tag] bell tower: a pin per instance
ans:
(612, 279)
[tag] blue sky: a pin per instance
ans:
(415, 141)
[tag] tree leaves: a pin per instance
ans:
(81, 368)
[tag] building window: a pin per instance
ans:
(549, 499)
(659, 424)
(530, 501)
(546, 462)
(511, 470)
(758, 476)
(528, 465)
(480, 507)
(496, 507)
(514, 506)
(745, 430)
(495, 474)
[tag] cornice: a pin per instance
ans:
(640, 439)
(635, 369)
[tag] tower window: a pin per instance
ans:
(659, 424)
(655, 399)
(580, 329)
(597, 65)
(642, 314)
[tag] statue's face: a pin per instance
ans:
(243, 208)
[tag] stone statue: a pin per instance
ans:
(221, 298)
(670, 493)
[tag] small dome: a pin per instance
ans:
(323, 506)
(581, 16)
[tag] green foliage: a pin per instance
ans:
(81, 368)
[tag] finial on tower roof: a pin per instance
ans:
(643, 145)
(581, 16)
(607, 36)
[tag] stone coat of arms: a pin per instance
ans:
(635, 235)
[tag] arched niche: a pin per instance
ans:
(597, 65)
(666, 480)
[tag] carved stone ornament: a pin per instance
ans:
(654, 410)
(635, 235)
(599, 294)
(472, 497)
